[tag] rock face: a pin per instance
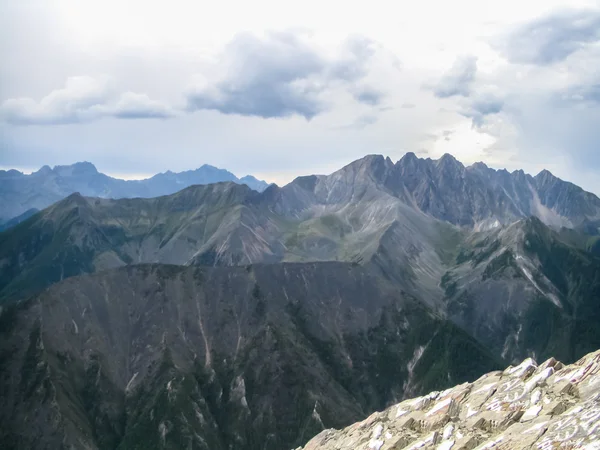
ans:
(19, 193)
(550, 406)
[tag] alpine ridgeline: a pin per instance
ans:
(21, 195)
(222, 317)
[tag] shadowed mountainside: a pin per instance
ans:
(236, 357)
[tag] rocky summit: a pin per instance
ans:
(529, 406)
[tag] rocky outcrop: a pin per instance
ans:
(549, 406)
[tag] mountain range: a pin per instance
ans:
(22, 195)
(199, 319)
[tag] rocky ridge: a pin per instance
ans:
(529, 406)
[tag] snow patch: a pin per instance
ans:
(519, 370)
(536, 396)
(532, 412)
(401, 412)
(377, 431)
(439, 405)
(130, 382)
(375, 444)
(448, 431)
(446, 445)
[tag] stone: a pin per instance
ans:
(523, 407)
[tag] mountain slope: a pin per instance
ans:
(20, 193)
(264, 356)
(507, 285)
(523, 291)
(523, 407)
(82, 235)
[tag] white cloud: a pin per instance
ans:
(83, 99)
(280, 74)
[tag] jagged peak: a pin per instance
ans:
(410, 160)
(545, 175)
(480, 165)
(372, 161)
(409, 156)
(447, 158)
(447, 161)
(306, 182)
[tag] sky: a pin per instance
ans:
(281, 89)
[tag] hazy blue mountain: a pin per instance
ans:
(20, 193)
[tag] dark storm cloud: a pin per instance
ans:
(278, 75)
(552, 38)
(458, 80)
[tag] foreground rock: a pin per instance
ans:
(550, 406)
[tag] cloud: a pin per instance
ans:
(458, 80)
(352, 64)
(481, 105)
(408, 105)
(83, 99)
(360, 122)
(280, 74)
(368, 96)
(139, 106)
(583, 95)
(552, 38)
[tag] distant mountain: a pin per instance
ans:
(478, 263)
(17, 220)
(20, 193)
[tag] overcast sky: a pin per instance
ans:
(279, 89)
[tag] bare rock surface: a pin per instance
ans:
(529, 406)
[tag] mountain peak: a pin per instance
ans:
(85, 167)
(376, 165)
(79, 168)
(447, 158)
(44, 170)
(545, 175)
(409, 156)
(480, 166)
(447, 161)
